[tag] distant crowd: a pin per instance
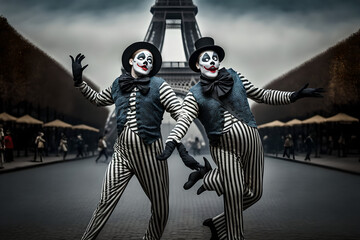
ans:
(40, 147)
(309, 144)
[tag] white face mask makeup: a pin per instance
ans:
(142, 63)
(209, 64)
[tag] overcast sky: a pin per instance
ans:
(262, 39)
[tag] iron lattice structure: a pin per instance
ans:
(179, 14)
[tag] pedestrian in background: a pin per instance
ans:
(299, 143)
(287, 146)
(2, 135)
(80, 146)
(196, 146)
(309, 142)
(342, 146)
(63, 146)
(292, 147)
(86, 150)
(9, 147)
(330, 145)
(265, 141)
(39, 146)
(102, 148)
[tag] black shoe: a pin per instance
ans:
(209, 223)
(196, 176)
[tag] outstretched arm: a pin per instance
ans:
(100, 99)
(277, 97)
(307, 92)
(268, 96)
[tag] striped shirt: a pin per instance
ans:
(190, 108)
(167, 98)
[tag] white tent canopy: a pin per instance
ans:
(275, 123)
(57, 123)
(293, 122)
(7, 117)
(85, 127)
(315, 119)
(27, 119)
(342, 118)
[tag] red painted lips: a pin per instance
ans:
(143, 67)
(212, 69)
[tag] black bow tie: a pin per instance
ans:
(127, 83)
(218, 87)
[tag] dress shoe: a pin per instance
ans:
(209, 223)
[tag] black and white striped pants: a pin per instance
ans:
(239, 177)
(133, 157)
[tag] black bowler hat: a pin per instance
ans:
(201, 45)
(130, 50)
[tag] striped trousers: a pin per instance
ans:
(133, 157)
(238, 177)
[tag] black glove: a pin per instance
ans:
(169, 148)
(199, 174)
(77, 69)
(188, 160)
(306, 92)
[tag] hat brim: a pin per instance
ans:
(195, 55)
(129, 51)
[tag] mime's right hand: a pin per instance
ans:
(77, 69)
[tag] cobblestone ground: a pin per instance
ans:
(56, 202)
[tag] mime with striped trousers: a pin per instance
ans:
(140, 100)
(219, 101)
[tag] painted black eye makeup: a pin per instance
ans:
(141, 56)
(149, 59)
(205, 58)
(215, 56)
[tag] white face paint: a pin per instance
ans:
(209, 64)
(143, 63)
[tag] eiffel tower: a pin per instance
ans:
(171, 14)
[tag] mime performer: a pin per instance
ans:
(140, 100)
(220, 102)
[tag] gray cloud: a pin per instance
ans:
(282, 6)
(265, 46)
(235, 6)
(261, 39)
(79, 6)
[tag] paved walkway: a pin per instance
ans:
(350, 164)
(299, 202)
(27, 162)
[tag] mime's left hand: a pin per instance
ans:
(187, 159)
(306, 92)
